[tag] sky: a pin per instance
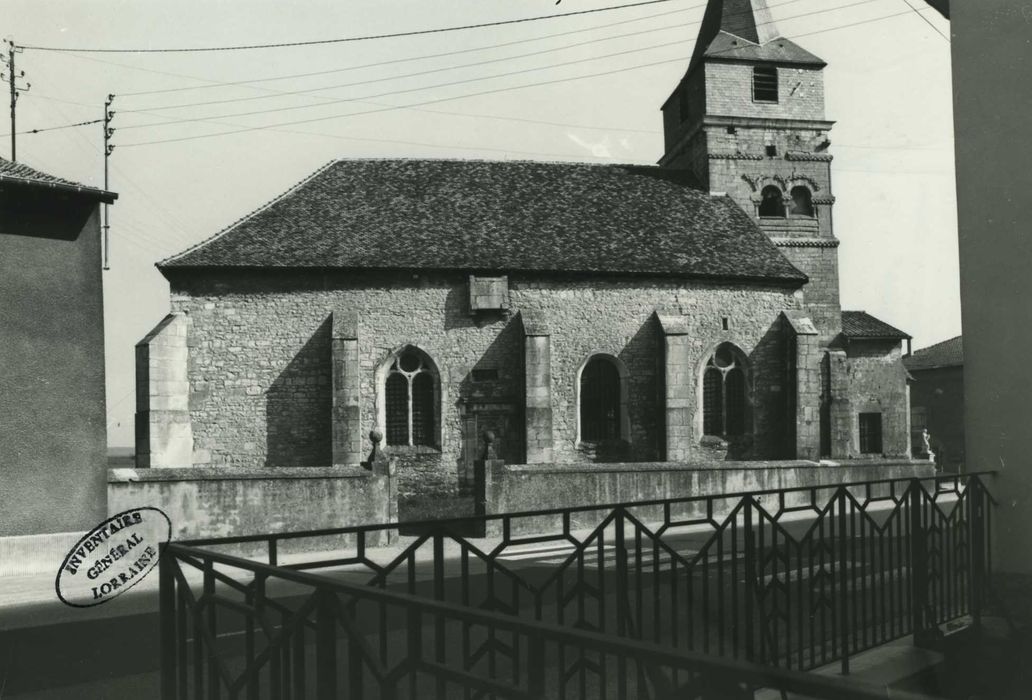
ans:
(193, 154)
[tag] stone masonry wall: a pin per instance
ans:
(729, 91)
(260, 360)
(877, 384)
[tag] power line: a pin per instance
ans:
(452, 83)
(277, 93)
(250, 82)
(55, 128)
(482, 63)
(475, 64)
(418, 88)
(926, 20)
(477, 94)
(394, 35)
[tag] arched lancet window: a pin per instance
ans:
(772, 203)
(724, 393)
(600, 400)
(802, 201)
(410, 400)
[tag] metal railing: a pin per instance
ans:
(792, 578)
(324, 639)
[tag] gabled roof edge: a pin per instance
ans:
(301, 183)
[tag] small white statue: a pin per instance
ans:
(926, 439)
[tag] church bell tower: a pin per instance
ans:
(748, 120)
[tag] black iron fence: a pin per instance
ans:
(656, 595)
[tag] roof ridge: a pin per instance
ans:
(381, 159)
(249, 215)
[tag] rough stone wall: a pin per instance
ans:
(821, 293)
(163, 434)
(729, 91)
(260, 368)
(205, 503)
(685, 109)
(877, 384)
(513, 489)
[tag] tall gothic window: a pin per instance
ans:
(802, 201)
(599, 400)
(772, 203)
(410, 402)
(724, 394)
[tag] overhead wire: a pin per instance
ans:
(502, 59)
(452, 83)
(477, 94)
(251, 82)
(54, 128)
(927, 21)
(325, 101)
(92, 149)
(341, 40)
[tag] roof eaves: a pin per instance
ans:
(788, 280)
(102, 195)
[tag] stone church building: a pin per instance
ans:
(685, 312)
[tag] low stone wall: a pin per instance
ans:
(516, 488)
(228, 502)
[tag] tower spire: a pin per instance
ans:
(745, 19)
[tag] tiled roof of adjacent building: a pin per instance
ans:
(498, 216)
(19, 173)
(948, 353)
(860, 325)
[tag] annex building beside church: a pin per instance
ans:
(684, 312)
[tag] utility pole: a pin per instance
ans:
(109, 114)
(12, 81)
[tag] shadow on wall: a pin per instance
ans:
(644, 359)
(771, 438)
(35, 214)
(491, 394)
(297, 407)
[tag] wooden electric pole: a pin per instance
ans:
(12, 80)
(109, 114)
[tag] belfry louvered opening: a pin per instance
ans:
(765, 84)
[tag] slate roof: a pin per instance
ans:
(498, 216)
(948, 353)
(19, 173)
(780, 50)
(861, 325)
(744, 30)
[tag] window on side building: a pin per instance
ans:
(599, 400)
(724, 390)
(870, 433)
(765, 84)
(410, 400)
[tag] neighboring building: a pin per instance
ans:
(53, 437)
(937, 401)
(583, 313)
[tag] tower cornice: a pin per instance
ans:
(748, 123)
